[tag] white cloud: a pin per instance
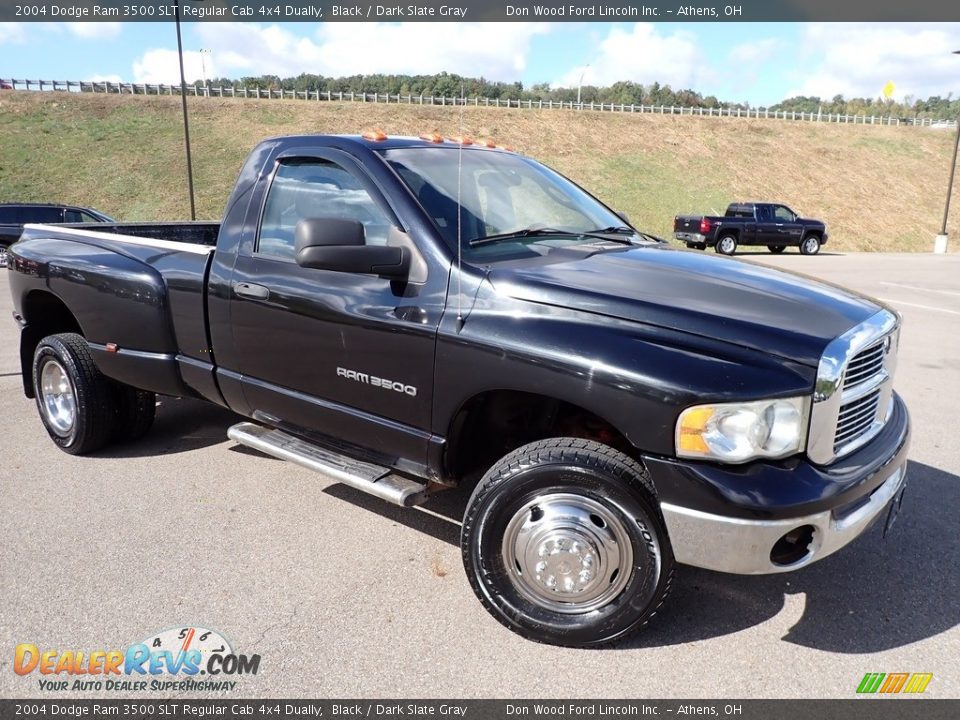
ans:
(644, 55)
(95, 30)
(162, 66)
(858, 59)
(495, 51)
(12, 32)
(752, 53)
(745, 61)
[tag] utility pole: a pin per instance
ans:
(186, 122)
(940, 242)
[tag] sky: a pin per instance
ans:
(759, 63)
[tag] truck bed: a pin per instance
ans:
(137, 287)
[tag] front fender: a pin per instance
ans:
(636, 377)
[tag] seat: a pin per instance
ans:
(499, 215)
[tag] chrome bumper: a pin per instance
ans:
(690, 237)
(743, 547)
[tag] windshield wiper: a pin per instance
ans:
(600, 234)
(526, 232)
(624, 230)
(612, 230)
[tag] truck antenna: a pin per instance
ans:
(459, 221)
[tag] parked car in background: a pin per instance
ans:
(752, 223)
(13, 216)
(4, 85)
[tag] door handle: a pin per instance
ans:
(251, 290)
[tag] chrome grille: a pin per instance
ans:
(853, 397)
(865, 364)
(855, 418)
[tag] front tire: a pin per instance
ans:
(810, 245)
(563, 543)
(727, 245)
(76, 401)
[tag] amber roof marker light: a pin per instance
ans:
(375, 135)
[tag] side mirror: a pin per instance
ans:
(337, 244)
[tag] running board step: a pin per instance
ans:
(367, 477)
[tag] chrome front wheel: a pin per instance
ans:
(563, 542)
(568, 553)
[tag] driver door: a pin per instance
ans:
(787, 225)
(345, 355)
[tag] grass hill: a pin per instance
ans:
(878, 188)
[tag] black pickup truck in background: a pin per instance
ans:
(408, 315)
(13, 216)
(776, 226)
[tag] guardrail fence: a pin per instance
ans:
(326, 96)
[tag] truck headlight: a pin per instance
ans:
(738, 432)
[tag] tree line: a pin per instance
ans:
(623, 92)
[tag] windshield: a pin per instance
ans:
(500, 194)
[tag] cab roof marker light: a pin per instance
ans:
(462, 140)
(432, 137)
(376, 135)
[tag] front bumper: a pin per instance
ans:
(827, 507)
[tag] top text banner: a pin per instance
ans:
(478, 11)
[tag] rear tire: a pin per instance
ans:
(727, 245)
(563, 542)
(77, 403)
(776, 249)
(810, 245)
(136, 410)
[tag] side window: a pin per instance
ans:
(763, 213)
(9, 215)
(73, 216)
(315, 189)
(784, 214)
(42, 215)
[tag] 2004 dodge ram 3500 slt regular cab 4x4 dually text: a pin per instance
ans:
(405, 315)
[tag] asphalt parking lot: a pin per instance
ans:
(343, 595)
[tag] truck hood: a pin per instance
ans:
(728, 300)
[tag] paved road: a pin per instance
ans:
(343, 595)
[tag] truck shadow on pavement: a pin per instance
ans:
(876, 594)
(181, 425)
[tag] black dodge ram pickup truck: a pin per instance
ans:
(776, 226)
(406, 315)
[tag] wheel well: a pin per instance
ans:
(490, 425)
(45, 314)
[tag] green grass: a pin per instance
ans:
(878, 188)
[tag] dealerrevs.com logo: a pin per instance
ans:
(180, 659)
